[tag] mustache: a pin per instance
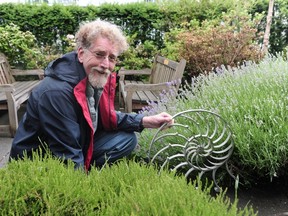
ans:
(101, 70)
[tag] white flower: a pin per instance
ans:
(70, 37)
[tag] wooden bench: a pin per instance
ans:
(135, 94)
(13, 93)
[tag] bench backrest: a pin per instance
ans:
(5, 75)
(166, 70)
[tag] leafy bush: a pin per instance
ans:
(139, 56)
(229, 42)
(48, 187)
(19, 47)
(253, 100)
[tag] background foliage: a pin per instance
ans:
(228, 42)
(153, 28)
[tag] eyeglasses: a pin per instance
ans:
(100, 56)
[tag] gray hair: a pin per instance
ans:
(89, 31)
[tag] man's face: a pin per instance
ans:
(98, 61)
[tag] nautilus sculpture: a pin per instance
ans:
(199, 141)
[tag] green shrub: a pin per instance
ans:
(253, 100)
(139, 56)
(19, 47)
(230, 41)
(48, 187)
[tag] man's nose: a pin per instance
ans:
(105, 62)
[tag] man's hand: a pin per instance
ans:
(157, 120)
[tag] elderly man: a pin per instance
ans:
(72, 109)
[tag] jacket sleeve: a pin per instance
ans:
(129, 122)
(58, 118)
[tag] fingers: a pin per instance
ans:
(157, 120)
(168, 119)
(168, 124)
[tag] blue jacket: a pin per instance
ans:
(57, 114)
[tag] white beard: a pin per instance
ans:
(96, 79)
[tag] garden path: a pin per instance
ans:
(269, 199)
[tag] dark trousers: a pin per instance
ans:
(111, 146)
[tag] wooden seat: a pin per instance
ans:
(14, 93)
(135, 94)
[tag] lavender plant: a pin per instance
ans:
(253, 99)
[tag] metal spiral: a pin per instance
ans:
(199, 140)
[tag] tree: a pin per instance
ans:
(268, 27)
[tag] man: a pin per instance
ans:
(72, 109)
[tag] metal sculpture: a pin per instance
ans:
(198, 140)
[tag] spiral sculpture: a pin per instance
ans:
(198, 140)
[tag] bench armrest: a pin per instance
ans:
(146, 87)
(19, 72)
(122, 72)
(7, 88)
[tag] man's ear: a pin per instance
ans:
(80, 53)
